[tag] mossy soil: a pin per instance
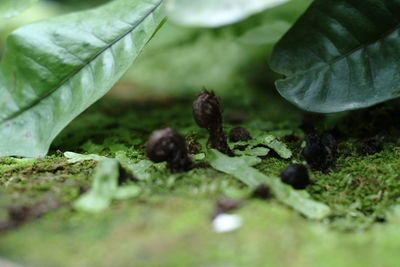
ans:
(169, 224)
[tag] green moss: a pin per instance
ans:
(362, 189)
(28, 181)
(170, 221)
(176, 232)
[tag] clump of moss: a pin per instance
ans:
(28, 180)
(359, 189)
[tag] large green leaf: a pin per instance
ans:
(11, 8)
(215, 13)
(340, 55)
(274, 23)
(53, 70)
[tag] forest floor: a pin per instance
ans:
(169, 223)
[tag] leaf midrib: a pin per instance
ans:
(80, 68)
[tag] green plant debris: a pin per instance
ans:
(105, 188)
(253, 151)
(276, 145)
(242, 170)
(76, 157)
(138, 168)
(252, 146)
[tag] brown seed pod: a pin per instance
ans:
(206, 110)
(207, 114)
(168, 145)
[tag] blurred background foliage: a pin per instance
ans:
(180, 61)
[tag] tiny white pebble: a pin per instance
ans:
(226, 223)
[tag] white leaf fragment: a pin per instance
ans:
(226, 223)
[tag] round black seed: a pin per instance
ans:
(207, 114)
(296, 175)
(239, 134)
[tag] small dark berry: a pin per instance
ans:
(262, 192)
(380, 220)
(296, 175)
(168, 145)
(239, 134)
(370, 147)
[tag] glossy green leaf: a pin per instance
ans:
(215, 13)
(341, 55)
(240, 168)
(12, 8)
(53, 70)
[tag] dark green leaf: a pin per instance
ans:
(340, 55)
(53, 70)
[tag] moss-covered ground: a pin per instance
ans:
(169, 223)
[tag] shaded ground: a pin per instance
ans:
(169, 223)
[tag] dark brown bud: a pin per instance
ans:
(239, 134)
(207, 110)
(207, 114)
(168, 145)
